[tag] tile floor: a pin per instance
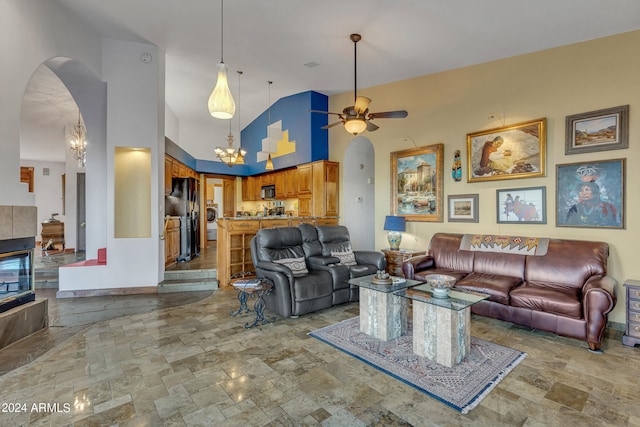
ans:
(194, 365)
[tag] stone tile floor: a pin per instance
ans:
(194, 365)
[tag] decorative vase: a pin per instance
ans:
(394, 238)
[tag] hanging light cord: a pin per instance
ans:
(222, 31)
(269, 118)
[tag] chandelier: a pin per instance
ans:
(78, 142)
(230, 155)
(221, 104)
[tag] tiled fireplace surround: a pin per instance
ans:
(19, 322)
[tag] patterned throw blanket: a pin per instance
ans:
(505, 244)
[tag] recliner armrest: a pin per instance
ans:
(277, 268)
(322, 261)
(371, 257)
(416, 264)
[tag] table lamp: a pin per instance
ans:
(395, 225)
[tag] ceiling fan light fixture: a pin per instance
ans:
(355, 125)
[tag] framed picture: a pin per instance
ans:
(463, 208)
(417, 183)
(591, 194)
(522, 205)
(601, 130)
(516, 151)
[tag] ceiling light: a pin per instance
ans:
(229, 155)
(221, 103)
(355, 125)
(78, 142)
(269, 165)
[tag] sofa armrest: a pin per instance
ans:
(371, 257)
(598, 299)
(275, 268)
(416, 264)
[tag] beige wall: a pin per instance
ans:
(554, 83)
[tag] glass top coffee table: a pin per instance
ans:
(441, 326)
(383, 315)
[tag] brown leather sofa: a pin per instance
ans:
(566, 291)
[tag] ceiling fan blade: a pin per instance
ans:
(331, 125)
(372, 126)
(324, 112)
(400, 114)
(362, 103)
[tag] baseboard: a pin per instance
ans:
(81, 293)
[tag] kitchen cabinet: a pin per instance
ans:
(325, 188)
(304, 179)
(228, 197)
(279, 181)
(168, 165)
(291, 183)
(305, 207)
(171, 241)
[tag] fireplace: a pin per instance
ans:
(16, 272)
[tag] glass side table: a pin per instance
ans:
(255, 288)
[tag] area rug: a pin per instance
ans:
(461, 387)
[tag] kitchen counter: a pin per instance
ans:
(258, 217)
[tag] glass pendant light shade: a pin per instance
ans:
(221, 103)
(269, 165)
(355, 125)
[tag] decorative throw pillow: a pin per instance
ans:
(346, 258)
(297, 265)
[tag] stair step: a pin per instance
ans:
(209, 274)
(188, 285)
(50, 283)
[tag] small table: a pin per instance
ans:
(441, 326)
(257, 289)
(383, 315)
(395, 259)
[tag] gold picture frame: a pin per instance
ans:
(510, 152)
(417, 183)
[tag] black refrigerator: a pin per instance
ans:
(184, 202)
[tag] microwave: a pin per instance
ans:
(268, 192)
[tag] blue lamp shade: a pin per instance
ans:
(394, 225)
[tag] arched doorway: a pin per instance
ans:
(359, 193)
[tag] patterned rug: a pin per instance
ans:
(461, 387)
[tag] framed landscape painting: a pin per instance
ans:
(417, 183)
(463, 208)
(510, 152)
(601, 130)
(522, 205)
(591, 194)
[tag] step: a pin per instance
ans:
(187, 285)
(210, 274)
(46, 278)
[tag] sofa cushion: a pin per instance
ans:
(563, 301)
(298, 266)
(494, 285)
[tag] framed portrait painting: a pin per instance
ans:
(522, 205)
(601, 130)
(462, 208)
(417, 183)
(591, 194)
(510, 152)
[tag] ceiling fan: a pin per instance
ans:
(357, 118)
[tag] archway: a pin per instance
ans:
(359, 193)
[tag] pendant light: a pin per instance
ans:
(221, 103)
(229, 155)
(78, 142)
(269, 165)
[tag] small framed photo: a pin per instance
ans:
(463, 208)
(510, 152)
(522, 205)
(601, 130)
(591, 194)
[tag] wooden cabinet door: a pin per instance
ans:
(257, 187)
(228, 197)
(280, 185)
(291, 183)
(175, 169)
(182, 171)
(304, 205)
(168, 165)
(305, 174)
(331, 189)
(26, 175)
(246, 193)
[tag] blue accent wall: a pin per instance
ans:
(305, 128)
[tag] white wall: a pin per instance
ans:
(47, 190)
(358, 193)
